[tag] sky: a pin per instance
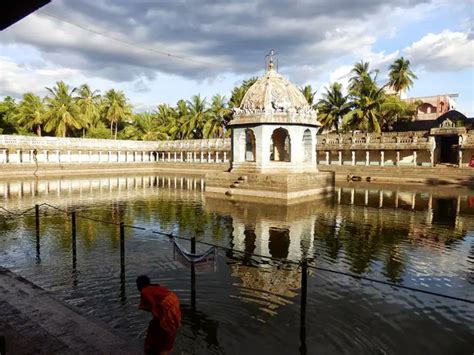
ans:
(165, 50)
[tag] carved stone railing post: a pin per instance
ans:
(382, 158)
(367, 158)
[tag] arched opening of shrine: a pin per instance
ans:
(281, 145)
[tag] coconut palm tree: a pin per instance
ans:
(239, 92)
(332, 107)
(88, 102)
(309, 94)
(177, 122)
(367, 103)
(167, 120)
(360, 73)
(115, 109)
(401, 76)
(219, 114)
(197, 117)
(62, 111)
(144, 126)
(8, 108)
(30, 113)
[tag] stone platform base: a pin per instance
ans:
(270, 188)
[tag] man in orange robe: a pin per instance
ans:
(164, 306)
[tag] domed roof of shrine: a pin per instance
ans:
(273, 99)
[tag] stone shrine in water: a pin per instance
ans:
(273, 146)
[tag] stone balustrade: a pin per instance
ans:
(372, 141)
(414, 148)
(31, 149)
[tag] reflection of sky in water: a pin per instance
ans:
(420, 237)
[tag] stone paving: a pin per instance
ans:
(32, 321)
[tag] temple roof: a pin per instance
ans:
(273, 99)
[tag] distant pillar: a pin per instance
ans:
(460, 158)
(90, 156)
(414, 158)
(46, 157)
(327, 157)
(217, 157)
(431, 157)
(58, 156)
(4, 156)
(208, 157)
(339, 157)
(175, 157)
(169, 156)
(109, 156)
(118, 156)
(202, 157)
(353, 153)
(382, 158)
(398, 158)
(194, 157)
(367, 158)
(225, 157)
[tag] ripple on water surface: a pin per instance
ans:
(251, 304)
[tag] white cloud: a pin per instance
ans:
(445, 51)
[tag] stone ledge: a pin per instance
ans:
(35, 322)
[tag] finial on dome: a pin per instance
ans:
(269, 60)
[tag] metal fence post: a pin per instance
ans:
(304, 285)
(73, 235)
(37, 226)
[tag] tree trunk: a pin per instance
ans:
(116, 124)
(38, 130)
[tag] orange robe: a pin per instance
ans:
(164, 306)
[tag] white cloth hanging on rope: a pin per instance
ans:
(202, 261)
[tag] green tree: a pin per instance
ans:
(7, 111)
(62, 111)
(332, 107)
(309, 94)
(367, 103)
(144, 127)
(239, 92)
(30, 114)
(361, 77)
(115, 109)
(177, 123)
(219, 115)
(196, 119)
(401, 76)
(394, 110)
(88, 102)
